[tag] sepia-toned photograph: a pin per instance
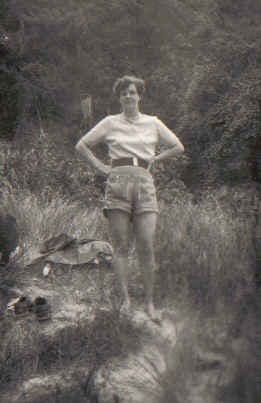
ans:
(130, 201)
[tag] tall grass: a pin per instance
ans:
(205, 249)
(39, 219)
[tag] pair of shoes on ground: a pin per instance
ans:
(23, 305)
(42, 309)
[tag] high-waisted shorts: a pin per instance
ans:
(130, 189)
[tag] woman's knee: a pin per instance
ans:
(119, 232)
(145, 247)
(121, 248)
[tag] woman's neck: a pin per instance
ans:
(131, 113)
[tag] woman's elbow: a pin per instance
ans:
(182, 149)
(79, 146)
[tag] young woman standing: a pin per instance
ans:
(130, 195)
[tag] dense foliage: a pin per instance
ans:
(201, 61)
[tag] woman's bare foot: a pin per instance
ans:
(126, 307)
(152, 313)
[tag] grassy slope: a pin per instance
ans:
(204, 252)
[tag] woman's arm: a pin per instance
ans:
(92, 159)
(175, 147)
(174, 151)
(96, 135)
(171, 152)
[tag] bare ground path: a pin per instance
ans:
(88, 351)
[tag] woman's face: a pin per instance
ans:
(130, 98)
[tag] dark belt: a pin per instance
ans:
(119, 162)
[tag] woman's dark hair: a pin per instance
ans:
(123, 83)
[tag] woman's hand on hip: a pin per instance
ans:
(104, 169)
(151, 162)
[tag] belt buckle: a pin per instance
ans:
(135, 161)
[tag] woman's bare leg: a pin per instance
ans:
(144, 230)
(119, 227)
